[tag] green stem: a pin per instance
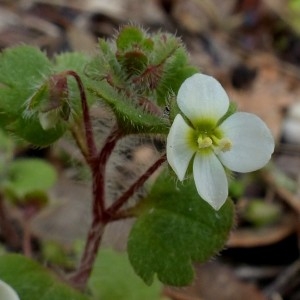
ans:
(80, 142)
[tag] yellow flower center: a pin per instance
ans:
(204, 142)
(219, 144)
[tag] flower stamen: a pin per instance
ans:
(204, 142)
(225, 144)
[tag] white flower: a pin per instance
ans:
(241, 143)
(7, 292)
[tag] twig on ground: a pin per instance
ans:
(286, 278)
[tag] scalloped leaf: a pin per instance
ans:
(174, 229)
(34, 282)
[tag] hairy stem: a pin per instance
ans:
(134, 187)
(80, 142)
(97, 162)
(95, 233)
(90, 141)
(80, 277)
(99, 168)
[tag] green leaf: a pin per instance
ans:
(136, 76)
(6, 149)
(134, 62)
(34, 282)
(23, 71)
(54, 253)
(176, 228)
(111, 270)
(177, 69)
(23, 81)
(131, 118)
(30, 129)
(129, 37)
(22, 65)
(28, 176)
(77, 62)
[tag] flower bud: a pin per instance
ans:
(56, 106)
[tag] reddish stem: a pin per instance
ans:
(28, 213)
(91, 145)
(82, 274)
(101, 215)
(8, 231)
(27, 249)
(111, 211)
(95, 233)
(98, 171)
(97, 163)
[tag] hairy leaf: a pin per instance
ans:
(21, 66)
(23, 70)
(131, 118)
(129, 36)
(177, 69)
(174, 229)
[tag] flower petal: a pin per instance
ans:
(252, 142)
(202, 97)
(210, 179)
(179, 150)
(7, 292)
